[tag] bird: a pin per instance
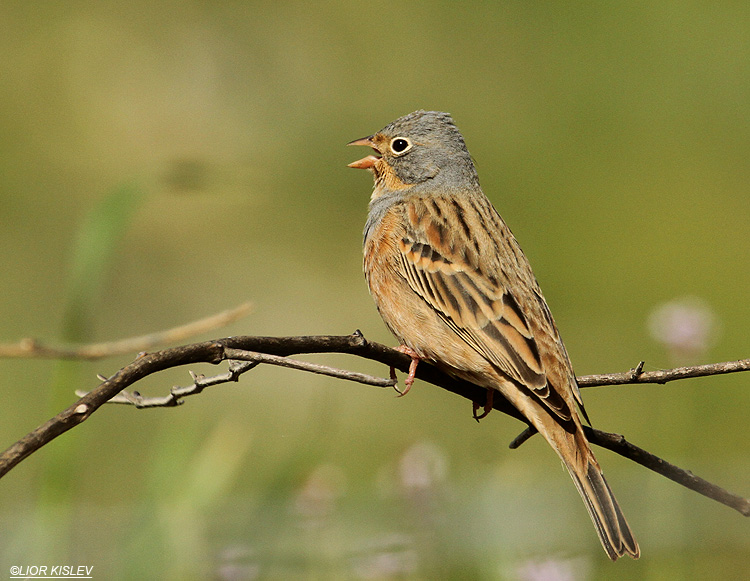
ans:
(452, 284)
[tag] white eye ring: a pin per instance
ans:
(400, 145)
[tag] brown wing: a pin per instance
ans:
(441, 261)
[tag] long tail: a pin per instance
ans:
(611, 526)
(574, 450)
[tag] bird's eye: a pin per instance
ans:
(400, 145)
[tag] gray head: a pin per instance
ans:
(424, 146)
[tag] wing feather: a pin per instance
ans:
(476, 307)
(441, 266)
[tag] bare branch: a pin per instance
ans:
(31, 348)
(637, 375)
(240, 362)
(149, 363)
(242, 355)
(200, 382)
(273, 350)
(618, 444)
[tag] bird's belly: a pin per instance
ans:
(417, 325)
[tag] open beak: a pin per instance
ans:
(366, 162)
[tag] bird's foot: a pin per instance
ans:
(409, 381)
(487, 405)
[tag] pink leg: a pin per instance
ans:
(487, 405)
(409, 381)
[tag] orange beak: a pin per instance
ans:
(365, 162)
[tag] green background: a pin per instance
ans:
(163, 161)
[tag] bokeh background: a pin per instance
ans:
(163, 161)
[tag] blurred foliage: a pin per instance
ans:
(614, 139)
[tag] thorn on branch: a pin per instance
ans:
(359, 338)
(637, 371)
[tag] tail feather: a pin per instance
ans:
(567, 439)
(611, 526)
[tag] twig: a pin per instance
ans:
(619, 445)
(242, 355)
(240, 362)
(522, 437)
(31, 348)
(200, 382)
(637, 375)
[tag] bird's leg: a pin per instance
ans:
(487, 405)
(409, 381)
